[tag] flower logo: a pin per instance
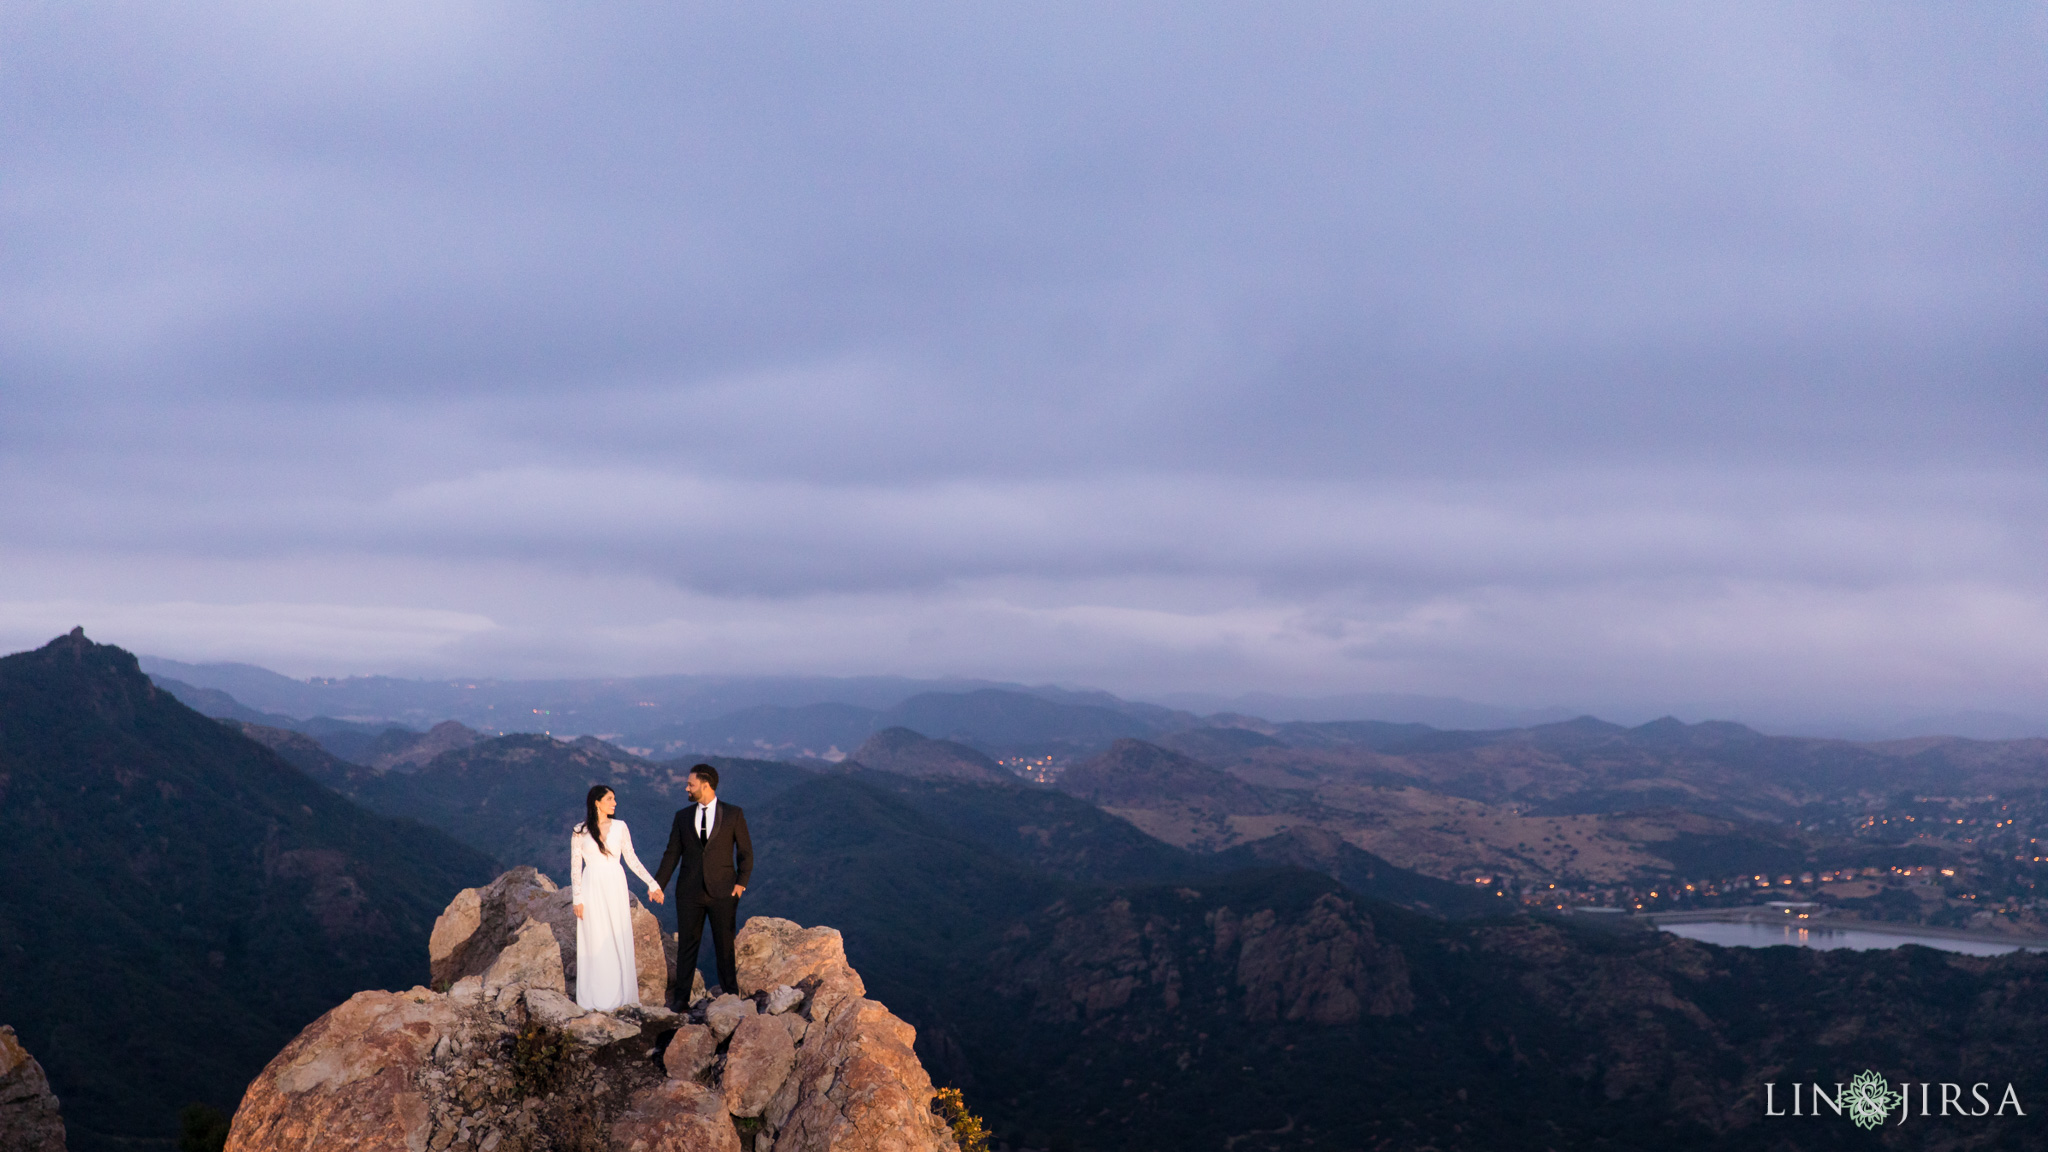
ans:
(1869, 1099)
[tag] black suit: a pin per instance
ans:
(710, 870)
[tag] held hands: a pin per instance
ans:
(656, 895)
(579, 910)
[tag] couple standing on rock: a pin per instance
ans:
(708, 838)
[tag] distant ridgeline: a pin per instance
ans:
(1183, 945)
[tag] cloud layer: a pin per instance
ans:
(1627, 358)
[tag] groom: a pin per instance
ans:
(706, 838)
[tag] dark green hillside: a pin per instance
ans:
(1042, 828)
(1276, 1010)
(1360, 871)
(179, 901)
(304, 753)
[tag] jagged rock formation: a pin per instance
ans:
(498, 928)
(1322, 964)
(503, 1061)
(29, 1120)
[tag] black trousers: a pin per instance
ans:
(693, 907)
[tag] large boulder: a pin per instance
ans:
(676, 1116)
(29, 1120)
(756, 1064)
(482, 923)
(856, 1086)
(693, 1049)
(771, 951)
(724, 1014)
(532, 958)
(854, 1082)
(350, 1080)
(423, 1071)
(654, 952)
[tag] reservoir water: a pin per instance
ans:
(1749, 934)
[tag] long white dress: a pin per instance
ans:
(606, 973)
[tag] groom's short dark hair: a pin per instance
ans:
(709, 774)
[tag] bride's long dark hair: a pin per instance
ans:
(597, 792)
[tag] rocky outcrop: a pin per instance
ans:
(1324, 967)
(776, 953)
(29, 1120)
(1313, 958)
(500, 924)
(798, 1059)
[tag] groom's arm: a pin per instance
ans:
(673, 853)
(743, 849)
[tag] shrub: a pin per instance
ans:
(969, 1131)
(540, 1059)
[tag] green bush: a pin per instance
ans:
(540, 1059)
(968, 1129)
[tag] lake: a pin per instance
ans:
(1754, 935)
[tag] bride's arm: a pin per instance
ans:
(632, 860)
(575, 875)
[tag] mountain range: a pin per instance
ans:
(1578, 801)
(634, 706)
(1191, 939)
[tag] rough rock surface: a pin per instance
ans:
(725, 1013)
(508, 1066)
(532, 958)
(857, 1087)
(29, 1120)
(550, 1007)
(756, 1064)
(772, 951)
(481, 923)
(676, 1116)
(351, 1079)
(693, 1049)
(1322, 963)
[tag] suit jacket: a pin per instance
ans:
(716, 866)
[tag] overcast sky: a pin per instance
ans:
(1628, 357)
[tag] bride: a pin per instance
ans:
(606, 973)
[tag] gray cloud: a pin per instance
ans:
(1591, 354)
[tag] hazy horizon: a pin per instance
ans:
(880, 692)
(1618, 358)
